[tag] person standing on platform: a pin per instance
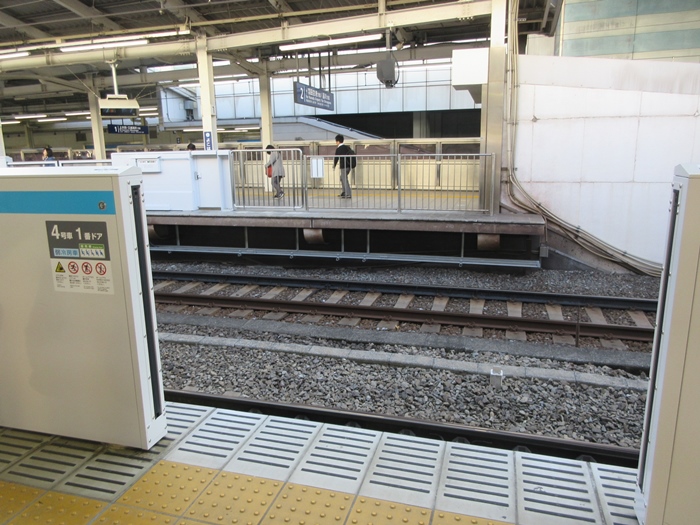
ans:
(191, 147)
(47, 155)
(343, 154)
(275, 163)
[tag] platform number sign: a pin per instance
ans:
(76, 249)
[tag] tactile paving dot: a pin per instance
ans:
(54, 508)
(301, 505)
(122, 515)
(449, 518)
(14, 497)
(235, 499)
(169, 487)
(369, 511)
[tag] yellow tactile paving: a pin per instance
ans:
(235, 499)
(369, 511)
(302, 505)
(449, 518)
(123, 515)
(169, 488)
(178, 494)
(14, 497)
(53, 508)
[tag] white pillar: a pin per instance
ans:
(205, 68)
(266, 136)
(492, 107)
(98, 134)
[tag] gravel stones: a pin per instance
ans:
(552, 408)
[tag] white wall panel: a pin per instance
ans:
(283, 104)
(608, 150)
(663, 143)
(391, 99)
(609, 103)
(556, 150)
(369, 101)
(461, 99)
(665, 104)
(246, 106)
(605, 211)
(284, 84)
(246, 87)
(607, 137)
(649, 215)
(415, 98)
(346, 80)
(438, 74)
(346, 101)
(438, 97)
(552, 192)
(412, 75)
(526, 102)
(225, 108)
(523, 151)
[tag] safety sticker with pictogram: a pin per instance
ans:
(80, 257)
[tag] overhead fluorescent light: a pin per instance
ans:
(18, 54)
(8, 122)
(52, 119)
(38, 115)
(76, 113)
(95, 41)
(108, 45)
(330, 43)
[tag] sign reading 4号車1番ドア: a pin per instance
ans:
(79, 253)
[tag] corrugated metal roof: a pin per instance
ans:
(48, 22)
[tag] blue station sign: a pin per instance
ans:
(311, 96)
(127, 129)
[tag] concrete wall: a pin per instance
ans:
(597, 141)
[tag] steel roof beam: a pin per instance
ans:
(32, 32)
(95, 15)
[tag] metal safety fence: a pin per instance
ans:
(413, 182)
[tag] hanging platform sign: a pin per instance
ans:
(311, 96)
(124, 129)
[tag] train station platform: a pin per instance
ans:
(442, 237)
(219, 466)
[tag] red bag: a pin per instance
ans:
(269, 171)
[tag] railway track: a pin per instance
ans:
(564, 448)
(585, 395)
(615, 322)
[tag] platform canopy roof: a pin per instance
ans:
(52, 52)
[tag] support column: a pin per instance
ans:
(266, 136)
(205, 68)
(98, 134)
(2, 145)
(492, 107)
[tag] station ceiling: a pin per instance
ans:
(248, 33)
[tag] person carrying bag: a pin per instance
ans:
(275, 170)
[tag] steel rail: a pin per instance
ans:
(565, 448)
(575, 328)
(624, 303)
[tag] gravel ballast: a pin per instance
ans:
(546, 405)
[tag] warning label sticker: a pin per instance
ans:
(79, 257)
